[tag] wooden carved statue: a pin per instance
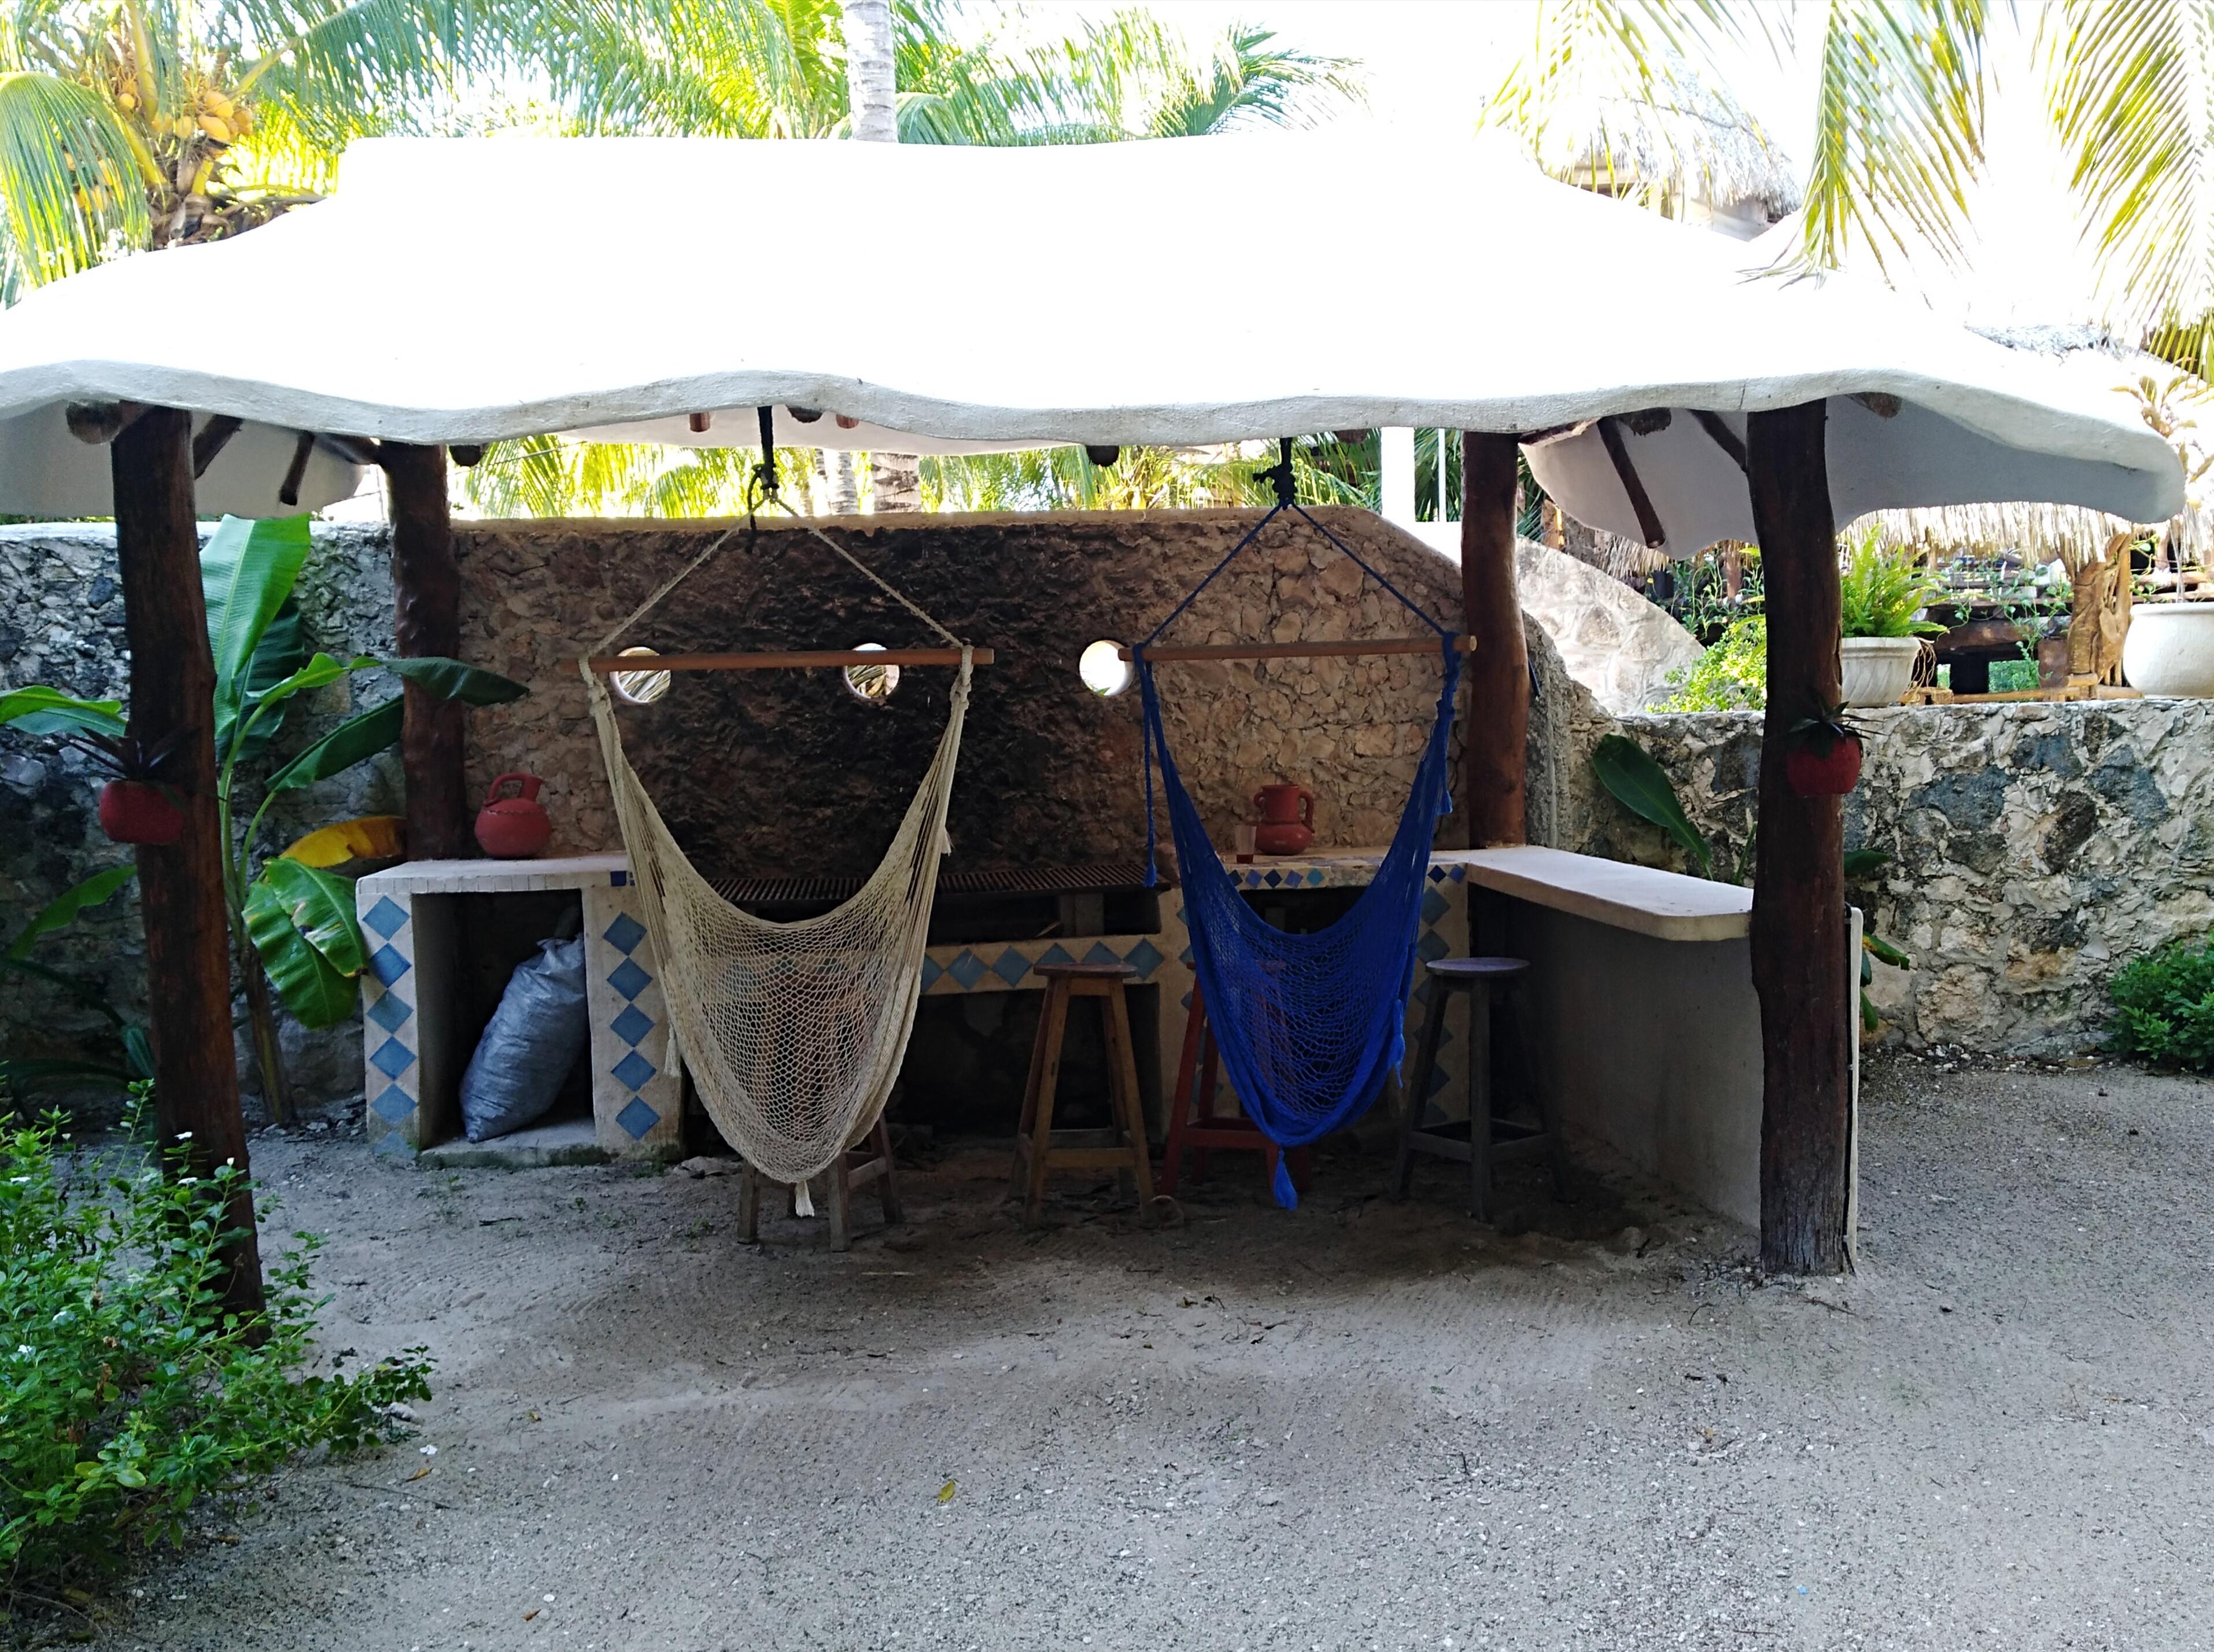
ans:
(2100, 614)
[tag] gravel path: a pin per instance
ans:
(1359, 1425)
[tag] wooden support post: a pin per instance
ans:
(180, 888)
(1798, 964)
(426, 590)
(1498, 672)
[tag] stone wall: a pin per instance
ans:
(61, 622)
(2034, 847)
(1612, 640)
(789, 773)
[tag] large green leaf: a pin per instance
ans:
(320, 670)
(37, 709)
(56, 134)
(315, 991)
(321, 907)
(1863, 863)
(282, 649)
(246, 572)
(353, 741)
(60, 912)
(1638, 784)
(449, 679)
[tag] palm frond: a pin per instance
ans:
(1899, 127)
(68, 176)
(2129, 90)
(1249, 80)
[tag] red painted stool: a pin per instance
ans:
(1195, 1127)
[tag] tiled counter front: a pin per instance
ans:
(414, 1058)
(410, 1055)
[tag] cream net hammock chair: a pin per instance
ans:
(793, 1032)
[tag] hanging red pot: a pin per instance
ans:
(140, 811)
(1824, 756)
(514, 828)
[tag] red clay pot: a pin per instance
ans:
(136, 811)
(514, 828)
(1830, 774)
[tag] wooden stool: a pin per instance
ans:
(1038, 1148)
(1498, 1139)
(1194, 1126)
(867, 1160)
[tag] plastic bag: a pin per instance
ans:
(533, 1038)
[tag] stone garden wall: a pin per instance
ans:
(2034, 846)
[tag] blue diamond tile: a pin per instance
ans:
(1273, 879)
(1100, 954)
(633, 1024)
(931, 969)
(1437, 874)
(628, 979)
(967, 969)
(633, 1070)
(1437, 1081)
(638, 1118)
(391, 1144)
(1253, 880)
(1145, 958)
(618, 880)
(624, 933)
(1434, 906)
(386, 916)
(1458, 873)
(1314, 877)
(392, 1058)
(1011, 966)
(389, 1011)
(1055, 953)
(1432, 946)
(387, 964)
(392, 1104)
(1185, 958)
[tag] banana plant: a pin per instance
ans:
(292, 923)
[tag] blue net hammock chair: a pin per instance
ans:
(1309, 1026)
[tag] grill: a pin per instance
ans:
(1097, 878)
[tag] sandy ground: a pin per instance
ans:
(1360, 1425)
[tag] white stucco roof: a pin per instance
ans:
(1181, 292)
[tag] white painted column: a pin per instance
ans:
(1399, 475)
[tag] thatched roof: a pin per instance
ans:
(1693, 137)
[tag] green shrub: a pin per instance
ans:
(1730, 676)
(2164, 1002)
(126, 1394)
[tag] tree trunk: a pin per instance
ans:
(261, 1022)
(426, 590)
(1498, 672)
(841, 495)
(1799, 935)
(181, 885)
(894, 483)
(871, 93)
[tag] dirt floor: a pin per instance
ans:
(1359, 1425)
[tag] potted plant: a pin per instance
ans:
(1884, 593)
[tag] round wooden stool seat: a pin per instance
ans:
(1477, 969)
(1085, 971)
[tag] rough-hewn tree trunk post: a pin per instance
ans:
(873, 106)
(181, 885)
(426, 591)
(1799, 964)
(1498, 672)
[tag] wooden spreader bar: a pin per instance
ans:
(1463, 644)
(803, 660)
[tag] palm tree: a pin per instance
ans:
(146, 122)
(1898, 124)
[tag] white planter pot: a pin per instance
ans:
(1878, 670)
(2170, 648)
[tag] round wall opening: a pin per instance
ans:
(639, 688)
(1103, 668)
(874, 683)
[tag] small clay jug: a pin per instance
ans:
(516, 828)
(1286, 823)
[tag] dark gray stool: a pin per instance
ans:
(1485, 1139)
